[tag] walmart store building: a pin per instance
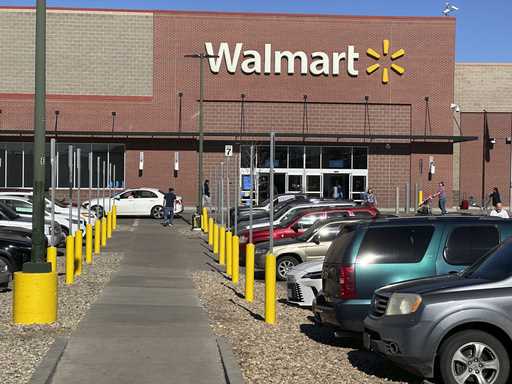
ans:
(354, 101)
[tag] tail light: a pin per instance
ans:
(347, 280)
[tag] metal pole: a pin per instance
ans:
(397, 202)
(97, 187)
(251, 193)
(237, 188)
(110, 188)
(114, 177)
(52, 193)
(90, 190)
(271, 185)
(201, 136)
(228, 216)
(222, 193)
(510, 147)
(79, 171)
(416, 202)
(407, 197)
(70, 179)
(108, 175)
(38, 236)
(103, 187)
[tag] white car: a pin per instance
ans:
(136, 202)
(59, 208)
(303, 283)
(9, 218)
(23, 207)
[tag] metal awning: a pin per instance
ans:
(235, 134)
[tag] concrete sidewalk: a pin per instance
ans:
(147, 326)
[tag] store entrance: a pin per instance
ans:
(336, 185)
(263, 185)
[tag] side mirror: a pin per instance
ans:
(316, 239)
(117, 198)
(295, 227)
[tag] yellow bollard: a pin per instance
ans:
(249, 272)
(104, 231)
(222, 246)
(70, 259)
(215, 239)
(51, 257)
(420, 197)
(205, 215)
(78, 252)
(35, 298)
(88, 244)
(97, 237)
(235, 260)
(229, 253)
(109, 225)
(114, 217)
(270, 289)
(210, 232)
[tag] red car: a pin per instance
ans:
(300, 221)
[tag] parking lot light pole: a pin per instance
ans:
(201, 56)
(251, 191)
(70, 191)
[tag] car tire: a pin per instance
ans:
(157, 212)
(9, 264)
(65, 230)
(100, 210)
(468, 354)
(283, 265)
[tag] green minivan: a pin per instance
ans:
(370, 255)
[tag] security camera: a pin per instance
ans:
(455, 107)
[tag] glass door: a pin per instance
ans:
(336, 185)
(295, 183)
(358, 187)
(313, 185)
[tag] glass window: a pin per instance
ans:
(313, 157)
(281, 157)
(263, 156)
(245, 158)
(20, 207)
(329, 232)
(394, 245)
(332, 214)
(309, 219)
(313, 183)
(360, 158)
(14, 165)
(146, 195)
(28, 150)
(296, 157)
(295, 183)
(495, 266)
(467, 244)
(127, 195)
(337, 158)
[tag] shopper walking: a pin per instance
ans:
(206, 193)
(498, 211)
(495, 197)
(441, 193)
(369, 198)
(169, 199)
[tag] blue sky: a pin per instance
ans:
(484, 28)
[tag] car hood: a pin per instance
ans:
(437, 284)
(18, 235)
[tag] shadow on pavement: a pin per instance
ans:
(375, 365)
(210, 256)
(325, 335)
(253, 314)
(239, 294)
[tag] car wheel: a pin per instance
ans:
(100, 210)
(10, 267)
(65, 230)
(157, 212)
(473, 357)
(283, 265)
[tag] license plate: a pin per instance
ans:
(367, 341)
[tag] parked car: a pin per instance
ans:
(15, 250)
(310, 245)
(23, 207)
(459, 325)
(370, 255)
(9, 218)
(5, 276)
(136, 202)
(289, 209)
(60, 208)
(303, 282)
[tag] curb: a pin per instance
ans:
(44, 372)
(232, 372)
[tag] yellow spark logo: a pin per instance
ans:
(385, 50)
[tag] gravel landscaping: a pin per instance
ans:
(295, 350)
(23, 347)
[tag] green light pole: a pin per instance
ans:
(201, 57)
(38, 263)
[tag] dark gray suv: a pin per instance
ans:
(456, 326)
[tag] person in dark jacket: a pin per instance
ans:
(495, 197)
(206, 193)
(169, 199)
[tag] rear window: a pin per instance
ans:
(341, 245)
(467, 244)
(362, 214)
(394, 244)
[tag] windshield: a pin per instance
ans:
(311, 231)
(495, 265)
(9, 212)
